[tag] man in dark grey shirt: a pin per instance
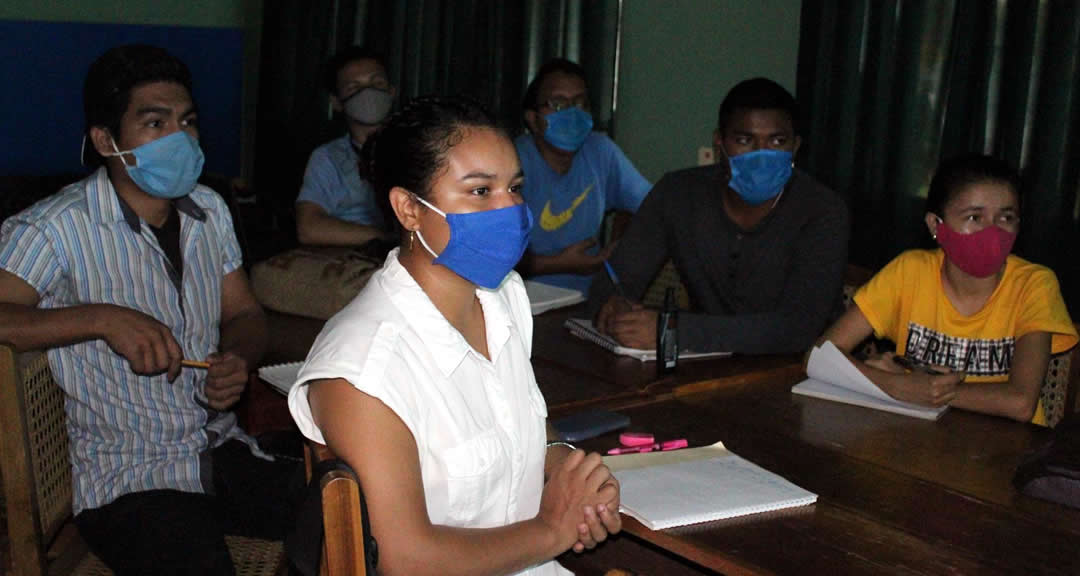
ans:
(760, 246)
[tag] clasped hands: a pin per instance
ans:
(917, 386)
(630, 323)
(150, 348)
(580, 502)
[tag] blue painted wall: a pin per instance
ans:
(45, 63)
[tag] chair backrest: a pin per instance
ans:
(1058, 393)
(667, 277)
(343, 525)
(36, 472)
(34, 464)
(854, 278)
(347, 544)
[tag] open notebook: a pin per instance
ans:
(544, 297)
(667, 489)
(584, 329)
(834, 377)
(281, 376)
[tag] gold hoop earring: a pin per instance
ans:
(412, 239)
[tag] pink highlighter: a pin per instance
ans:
(639, 442)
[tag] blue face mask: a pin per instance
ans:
(568, 128)
(760, 175)
(167, 167)
(484, 246)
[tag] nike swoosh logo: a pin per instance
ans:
(550, 222)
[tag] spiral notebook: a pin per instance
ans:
(668, 489)
(584, 329)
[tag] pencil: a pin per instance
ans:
(194, 364)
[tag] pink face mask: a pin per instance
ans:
(980, 254)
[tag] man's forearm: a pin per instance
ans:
(245, 335)
(31, 328)
(540, 264)
(325, 230)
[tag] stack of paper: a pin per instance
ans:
(281, 376)
(544, 297)
(667, 489)
(834, 377)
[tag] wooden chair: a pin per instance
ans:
(37, 480)
(1058, 393)
(345, 539)
(854, 278)
(667, 277)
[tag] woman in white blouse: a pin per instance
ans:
(423, 382)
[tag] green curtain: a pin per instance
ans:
(888, 88)
(292, 116)
(487, 49)
(490, 49)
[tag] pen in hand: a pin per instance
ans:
(194, 364)
(909, 364)
(614, 279)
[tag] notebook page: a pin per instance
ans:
(828, 364)
(694, 490)
(584, 329)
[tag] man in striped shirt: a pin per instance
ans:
(121, 276)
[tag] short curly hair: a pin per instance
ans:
(346, 57)
(112, 77)
(532, 93)
(757, 94)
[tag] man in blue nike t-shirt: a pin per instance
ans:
(572, 177)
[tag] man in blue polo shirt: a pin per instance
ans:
(121, 276)
(336, 205)
(573, 176)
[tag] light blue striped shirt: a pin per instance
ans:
(129, 433)
(332, 180)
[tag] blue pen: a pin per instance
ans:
(614, 278)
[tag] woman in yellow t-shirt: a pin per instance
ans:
(984, 320)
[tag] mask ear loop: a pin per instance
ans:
(116, 152)
(781, 194)
(82, 151)
(778, 196)
(417, 231)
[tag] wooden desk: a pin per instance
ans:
(576, 375)
(573, 374)
(896, 495)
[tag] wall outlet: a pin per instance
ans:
(705, 156)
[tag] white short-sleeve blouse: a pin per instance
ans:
(479, 425)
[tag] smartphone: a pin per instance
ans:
(585, 425)
(910, 364)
